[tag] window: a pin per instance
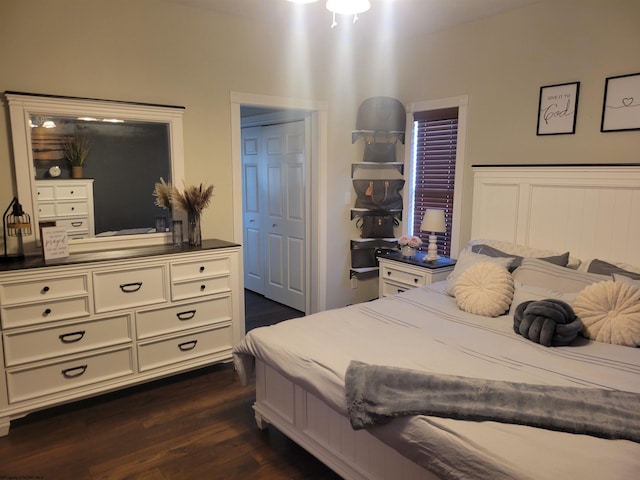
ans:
(433, 157)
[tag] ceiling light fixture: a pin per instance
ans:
(342, 7)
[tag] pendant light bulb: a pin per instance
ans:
(348, 7)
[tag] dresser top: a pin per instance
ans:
(115, 254)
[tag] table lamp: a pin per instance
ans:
(433, 221)
(15, 224)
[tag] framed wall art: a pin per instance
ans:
(621, 105)
(557, 109)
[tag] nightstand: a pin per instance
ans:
(398, 273)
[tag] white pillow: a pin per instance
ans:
(584, 266)
(610, 313)
(524, 251)
(467, 259)
(523, 293)
(617, 277)
(485, 289)
(544, 274)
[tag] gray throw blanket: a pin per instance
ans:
(377, 394)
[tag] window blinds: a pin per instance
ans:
(435, 137)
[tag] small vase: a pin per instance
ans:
(193, 229)
(76, 171)
(408, 252)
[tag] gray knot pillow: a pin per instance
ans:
(547, 322)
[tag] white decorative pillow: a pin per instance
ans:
(467, 259)
(485, 289)
(610, 313)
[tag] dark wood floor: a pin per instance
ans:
(260, 311)
(198, 425)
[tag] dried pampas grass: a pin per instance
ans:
(192, 200)
(162, 193)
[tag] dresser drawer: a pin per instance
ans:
(45, 192)
(72, 208)
(190, 315)
(43, 289)
(38, 313)
(185, 347)
(27, 383)
(200, 288)
(74, 224)
(33, 345)
(407, 278)
(69, 192)
(46, 210)
(114, 290)
(199, 269)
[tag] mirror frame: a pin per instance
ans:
(24, 105)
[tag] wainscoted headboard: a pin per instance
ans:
(591, 211)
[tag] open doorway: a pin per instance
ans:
(261, 111)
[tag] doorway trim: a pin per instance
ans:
(317, 209)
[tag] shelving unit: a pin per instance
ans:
(380, 123)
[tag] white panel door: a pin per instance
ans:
(273, 162)
(252, 201)
(284, 223)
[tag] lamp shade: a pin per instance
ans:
(433, 221)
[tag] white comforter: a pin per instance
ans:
(423, 329)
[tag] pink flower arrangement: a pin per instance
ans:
(412, 241)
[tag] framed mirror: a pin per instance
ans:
(122, 149)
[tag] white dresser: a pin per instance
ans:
(106, 320)
(69, 203)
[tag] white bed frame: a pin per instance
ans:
(592, 211)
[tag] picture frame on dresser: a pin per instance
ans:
(621, 103)
(558, 109)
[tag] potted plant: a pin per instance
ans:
(76, 149)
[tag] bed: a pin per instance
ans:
(304, 367)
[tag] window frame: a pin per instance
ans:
(421, 106)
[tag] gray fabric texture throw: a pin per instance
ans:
(377, 394)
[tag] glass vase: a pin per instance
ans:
(408, 252)
(193, 229)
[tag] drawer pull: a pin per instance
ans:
(416, 280)
(45, 289)
(389, 274)
(76, 224)
(188, 315)
(46, 313)
(131, 287)
(71, 337)
(186, 346)
(74, 371)
(201, 269)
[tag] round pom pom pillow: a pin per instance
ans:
(610, 312)
(547, 322)
(485, 289)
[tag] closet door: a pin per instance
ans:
(253, 199)
(274, 212)
(284, 223)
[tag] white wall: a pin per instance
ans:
(159, 52)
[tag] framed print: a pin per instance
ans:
(621, 105)
(557, 109)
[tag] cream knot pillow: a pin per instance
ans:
(485, 289)
(610, 313)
